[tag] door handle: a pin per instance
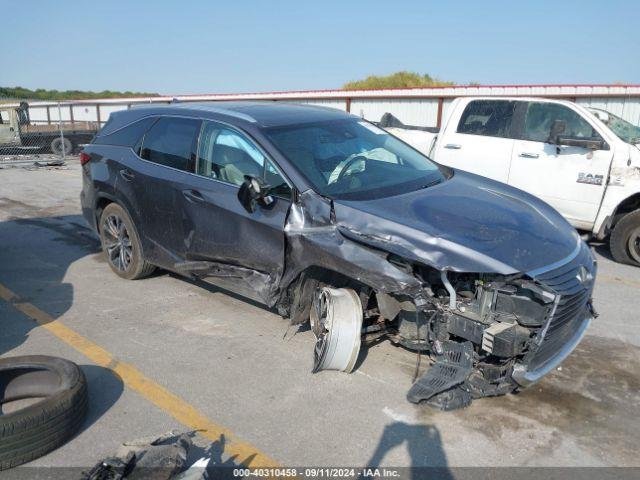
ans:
(126, 174)
(528, 155)
(453, 146)
(193, 196)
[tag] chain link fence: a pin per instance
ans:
(48, 135)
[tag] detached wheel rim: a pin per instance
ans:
(634, 244)
(117, 243)
(336, 321)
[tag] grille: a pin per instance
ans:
(569, 313)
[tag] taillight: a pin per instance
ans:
(84, 158)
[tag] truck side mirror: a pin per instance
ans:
(254, 192)
(557, 128)
(593, 143)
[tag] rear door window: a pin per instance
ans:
(489, 118)
(541, 115)
(171, 141)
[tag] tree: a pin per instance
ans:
(396, 80)
(42, 94)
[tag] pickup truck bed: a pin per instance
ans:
(79, 127)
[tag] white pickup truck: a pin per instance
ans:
(584, 162)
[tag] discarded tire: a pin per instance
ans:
(41, 427)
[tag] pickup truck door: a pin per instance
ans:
(570, 179)
(479, 140)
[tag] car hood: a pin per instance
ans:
(467, 223)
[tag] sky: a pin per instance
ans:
(200, 46)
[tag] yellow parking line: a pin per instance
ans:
(178, 408)
(610, 278)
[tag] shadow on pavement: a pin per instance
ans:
(105, 388)
(34, 258)
(214, 452)
(424, 445)
(602, 248)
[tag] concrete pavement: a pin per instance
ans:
(227, 358)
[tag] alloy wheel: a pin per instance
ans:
(117, 243)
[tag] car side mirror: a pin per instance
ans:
(254, 192)
(557, 128)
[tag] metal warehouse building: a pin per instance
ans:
(414, 106)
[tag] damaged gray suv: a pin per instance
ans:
(329, 219)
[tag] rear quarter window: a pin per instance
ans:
(127, 136)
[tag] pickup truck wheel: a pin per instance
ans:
(625, 239)
(121, 244)
(60, 145)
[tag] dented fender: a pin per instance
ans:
(314, 239)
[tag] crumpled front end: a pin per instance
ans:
(486, 333)
(572, 283)
(502, 333)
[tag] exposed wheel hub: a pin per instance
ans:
(336, 321)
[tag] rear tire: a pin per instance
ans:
(39, 428)
(625, 239)
(121, 244)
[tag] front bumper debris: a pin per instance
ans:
(438, 385)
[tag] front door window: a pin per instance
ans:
(227, 155)
(541, 116)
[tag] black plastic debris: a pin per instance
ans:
(112, 468)
(52, 163)
(153, 458)
(439, 385)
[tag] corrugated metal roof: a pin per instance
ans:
(413, 106)
(569, 91)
